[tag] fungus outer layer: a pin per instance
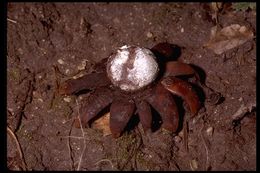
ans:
(132, 68)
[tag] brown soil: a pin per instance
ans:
(51, 42)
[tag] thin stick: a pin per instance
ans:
(74, 137)
(105, 160)
(206, 148)
(242, 110)
(69, 147)
(186, 135)
(18, 147)
(83, 135)
(10, 20)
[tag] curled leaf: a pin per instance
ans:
(228, 37)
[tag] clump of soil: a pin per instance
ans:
(48, 43)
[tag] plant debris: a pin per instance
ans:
(243, 6)
(228, 38)
(103, 124)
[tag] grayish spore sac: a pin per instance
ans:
(132, 68)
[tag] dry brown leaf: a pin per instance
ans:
(228, 37)
(103, 124)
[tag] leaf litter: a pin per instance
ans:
(222, 40)
(103, 124)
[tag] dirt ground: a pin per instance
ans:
(51, 42)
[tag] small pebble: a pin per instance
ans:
(177, 139)
(67, 71)
(34, 93)
(40, 100)
(20, 50)
(210, 131)
(60, 61)
(242, 29)
(82, 65)
(67, 99)
(182, 29)
(116, 20)
(149, 34)
(181, 134)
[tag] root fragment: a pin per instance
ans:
(11, 133)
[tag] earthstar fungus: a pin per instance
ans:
(132, 80)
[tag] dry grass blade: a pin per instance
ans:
(186, 135)
(11, 133)
(105, 160)
(243, 110)
(69, 147)
(206, 145)
(83, 135)
(10, 20)
(74, 137)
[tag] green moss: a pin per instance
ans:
(128, 149)
(14, 74)
(128, 146)
(243, 6)
(24, 134)
(144, 162)
(19, 130)
(67, 112)
(59, 105)
(166, 132)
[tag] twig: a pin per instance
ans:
(74, 137)
(69, 147)
(186, 135)
(105, 160)
(242, 110)
(10, 20)
(206, 148)
(83, 135)
(27, 99)
(18, 147)
(57, 84)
